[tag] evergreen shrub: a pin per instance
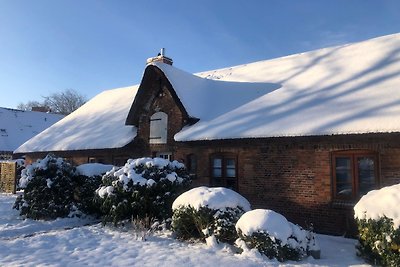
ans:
(275, 237)
(53, 188)
(379, 241)
(189, 223)
(203, 212)
(143, 188)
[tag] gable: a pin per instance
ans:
(153, 85)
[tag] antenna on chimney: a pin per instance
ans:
(160, 58)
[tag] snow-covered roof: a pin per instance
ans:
(346, 89)
(100, 123)
(17, 126)
(207, 99)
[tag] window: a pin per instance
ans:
(164, 155)
(192, 165)
(158, 128)
(354, 173)
(224, 171)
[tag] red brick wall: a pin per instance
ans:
(293, 175)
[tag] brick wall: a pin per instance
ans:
(293, 175)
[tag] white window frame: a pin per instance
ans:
(164, 155)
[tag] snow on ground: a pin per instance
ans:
(40, 243)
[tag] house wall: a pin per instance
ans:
(107, 156)
(293, 175)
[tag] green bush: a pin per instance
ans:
(53, 189)
(204, 212)
(143, 188)
(189, 223)
(272, 235)
(272, 247)
(48, 189)
(84, 193)
(379, 242)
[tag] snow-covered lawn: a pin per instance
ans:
(76, 242)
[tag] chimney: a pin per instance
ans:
(160, 58)
(40, 109)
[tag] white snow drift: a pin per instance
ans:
(378, 203)
(217, 198)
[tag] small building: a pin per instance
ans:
(305, 135)
(18, 126)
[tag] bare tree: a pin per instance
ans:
(64, 102)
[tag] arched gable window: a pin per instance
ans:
(158, 128)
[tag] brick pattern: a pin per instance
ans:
(293, 175)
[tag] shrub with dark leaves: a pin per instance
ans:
(142, 188)
(203, 212)
(53, 188)
(272, 235)
(48, 189)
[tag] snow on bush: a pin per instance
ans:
(48, 189)
(272, 235)
(93, 169)
(378, 219)
(53, 188)
(379, 203)
(144, 187)
(203, 212)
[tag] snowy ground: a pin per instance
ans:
(72, 242)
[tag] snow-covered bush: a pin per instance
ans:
(54, 188)
(272, 235)
(87, 182)
(203, 212)
(378, 218)
(144, 187)
(48, 189)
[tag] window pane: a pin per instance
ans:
(217, 172)
(230, 168)
(217, 167)
(192, 163)
(217, 163)
(366, 174)
(344, 185)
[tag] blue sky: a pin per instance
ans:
(47, 46)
